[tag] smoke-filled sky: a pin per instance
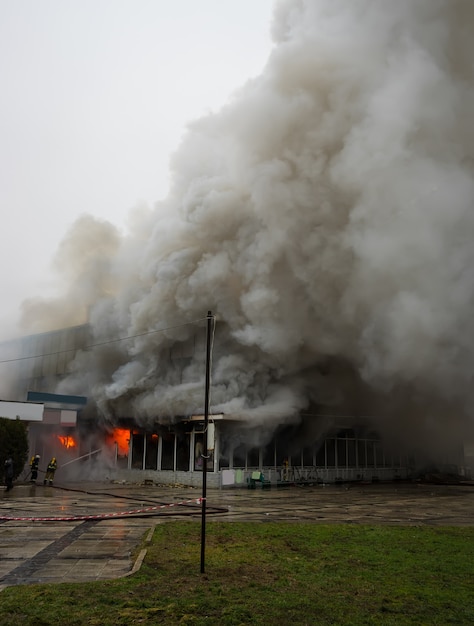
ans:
(94, 98)
(325, 214)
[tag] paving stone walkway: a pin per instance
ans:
(33, 551)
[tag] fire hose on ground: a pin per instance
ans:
(156, 509)
(99, 516)
(142, 511)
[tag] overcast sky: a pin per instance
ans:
(94, 97)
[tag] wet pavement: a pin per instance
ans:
(100, 531)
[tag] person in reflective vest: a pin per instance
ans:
(34, 467)
(50, 470)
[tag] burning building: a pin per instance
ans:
(111, 440)
(325, 215)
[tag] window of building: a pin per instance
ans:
(330, 453)
(341, 448)
(308, 457)
(370, 453)
(321, 455)
(182, 451)
(167, 451)
(239, 456)
(379, 455)
(253, 458)
(198, 454)
(351, 453)
(224, 461)
(151, 457)
(362, 453)
(137, 449)
(268, 459)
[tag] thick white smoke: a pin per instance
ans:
(325, 215)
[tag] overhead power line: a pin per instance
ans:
(104, 343)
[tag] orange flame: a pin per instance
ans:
(67, 441)
(120, 436)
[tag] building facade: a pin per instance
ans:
(90, 447)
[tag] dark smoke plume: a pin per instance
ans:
(325, 215)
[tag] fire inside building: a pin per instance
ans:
(89, 447)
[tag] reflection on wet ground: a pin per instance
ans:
(365, 504)
(95, 549)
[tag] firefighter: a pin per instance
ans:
(9, 473)
(52, 467)
(34, 467)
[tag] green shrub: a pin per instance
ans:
(14, 443)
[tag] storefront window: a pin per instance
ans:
(308, 459)
(137, 450)
(151, 458)
(351, 453)
(379, 456)
(331, 453)
(341, 453)
(239, 456)
(361, 453)
(198, 454)
(182, 452)
(253, 456)
(167, 451)
(321, 455)
(370, 453)
(269, 455)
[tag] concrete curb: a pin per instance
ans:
(141, 556)
(137, 564)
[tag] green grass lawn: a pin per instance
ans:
(273, 574)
